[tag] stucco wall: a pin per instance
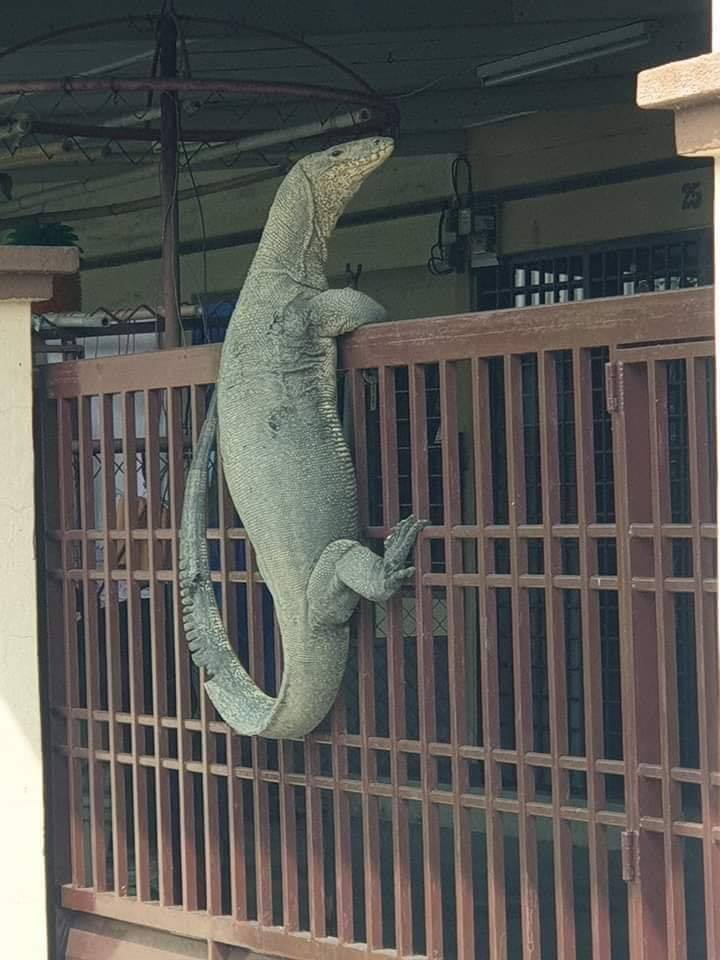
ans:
(22, 841)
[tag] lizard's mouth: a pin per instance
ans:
(383, 151)
(378, 150)
(339, 180)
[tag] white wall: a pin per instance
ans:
(22, 840)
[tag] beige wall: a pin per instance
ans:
(559, 144)
(413, 292)
(393, 253)
(652, 205)
(22, 840)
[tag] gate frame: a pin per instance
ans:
(624, 322)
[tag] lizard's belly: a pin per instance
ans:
(291, 481)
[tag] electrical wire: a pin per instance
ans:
(461, 160)
(172, 204)
(426, 86)
(429, 85)
(437, 263)
(193, 181)
(203, 233)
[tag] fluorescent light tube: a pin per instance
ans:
(564, 54)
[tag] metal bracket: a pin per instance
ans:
(614, 386)
(630, 855)
(352, 277)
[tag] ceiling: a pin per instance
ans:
(422, 55)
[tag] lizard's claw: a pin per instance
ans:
(398, 545)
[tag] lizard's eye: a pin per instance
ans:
(336, 153)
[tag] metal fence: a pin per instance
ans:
(524, 759)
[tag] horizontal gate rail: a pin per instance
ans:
(523, 762)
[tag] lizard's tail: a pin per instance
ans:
(304, 700)
(204, 629)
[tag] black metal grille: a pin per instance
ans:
(625, 267)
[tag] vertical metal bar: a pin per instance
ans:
(236, 834)
(592, 656)
(395, 660)
(135, 658)
(315, 846)
(90, 633)
(65, 481)
(667, 672)
(426, 668)
(50, 563)
(152, 408)
(229, 616)
(259, 753)
(288, 840)
(211, 813)
(256, 659)
(371, 833)
(112, 644)
(213, 887)
(521, 658)
(262, 839)
(343, 837)
(707, 656)
(562, 844)
(176, 479)
(488, 667)
(169, 132)
(465, 913)
(209, 809)
(641, 652)
(287, 814)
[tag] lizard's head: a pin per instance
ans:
(336, 174)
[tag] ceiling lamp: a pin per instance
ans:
(565, 53)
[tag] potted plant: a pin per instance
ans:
(67, 294)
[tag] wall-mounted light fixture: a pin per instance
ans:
(565, 53)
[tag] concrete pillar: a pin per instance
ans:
(25, 275)
(691, 89)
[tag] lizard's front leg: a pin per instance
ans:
(334, 312)
(347, 569)
(377, 578)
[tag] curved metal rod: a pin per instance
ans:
(265, 31)
(180, 85)
(246, 139)
(150, 21)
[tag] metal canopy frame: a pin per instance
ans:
(360, 109)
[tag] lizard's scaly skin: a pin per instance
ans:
(286, 463)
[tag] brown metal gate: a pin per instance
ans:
(524, 760)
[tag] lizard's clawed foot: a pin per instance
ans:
(398, 545)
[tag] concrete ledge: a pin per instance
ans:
(26, 272)
(691, 88)
(18, 259)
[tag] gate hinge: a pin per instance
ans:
(630, 855)
(614, 386)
